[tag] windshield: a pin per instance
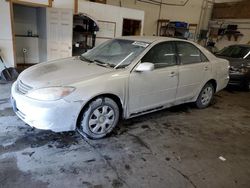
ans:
(116, 53)
(235, 52)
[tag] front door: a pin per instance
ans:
(149, 90)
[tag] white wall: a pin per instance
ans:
(63, 4)
(110, 13)
(42, 2)
(6, 43)
(189, 13)
(103, 12)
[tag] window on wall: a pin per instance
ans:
(189, 54)
(99, 1)
(131, 27)
(161, 55)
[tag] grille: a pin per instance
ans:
(23, 88)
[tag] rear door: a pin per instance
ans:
(194, 70)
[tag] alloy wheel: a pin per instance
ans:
(101, 119)
(207, 95)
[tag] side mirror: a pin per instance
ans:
(144, 67)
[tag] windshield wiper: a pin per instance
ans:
(119, 64)
(86, 59)
(101, 63)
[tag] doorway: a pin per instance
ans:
(26, 33)
(131, 27)
(41, 34)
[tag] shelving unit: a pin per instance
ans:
(34, 36)
(84, 34)
(162, 27)
(219, 31)
(166, 28)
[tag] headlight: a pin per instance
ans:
(50, 93)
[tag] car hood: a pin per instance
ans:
(61, 72)
(235, 62)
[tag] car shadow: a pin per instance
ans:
(35, 138)
(144, 121)
(234, 88)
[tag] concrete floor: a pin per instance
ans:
(178, 147)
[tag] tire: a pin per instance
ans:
(99, 118)
(205, 96)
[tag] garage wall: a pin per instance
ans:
(107, 15)
(243, 27)
(189, 13)
(41, 2)
(63, 4)
(6, 43)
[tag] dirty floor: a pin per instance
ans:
(178, 147)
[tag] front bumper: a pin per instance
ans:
(237, 79)
(58, 116)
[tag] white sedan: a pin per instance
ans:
(121, 78)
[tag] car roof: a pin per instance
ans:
(152, 39)
(149, 39)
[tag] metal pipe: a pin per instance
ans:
(159, 17)
(145, 1)
(171, 4)
(159, 3)
(200, 20)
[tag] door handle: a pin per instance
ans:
(206, 68)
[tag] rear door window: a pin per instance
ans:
(189, 54)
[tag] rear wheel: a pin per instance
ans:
(205, 96)
(99, 118)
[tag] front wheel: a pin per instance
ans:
(99, 118)
(205, 96)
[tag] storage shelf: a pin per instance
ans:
(34, 36)
(83, 33)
